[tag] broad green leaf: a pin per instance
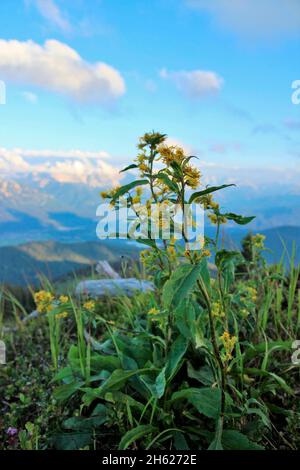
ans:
(180, 441)
(65, 375)
(226, 261)
(181, 283)
(79, 423)
(72, 441)
(185, 318)
(160, 383)
(136, 434)
(119, 397)
(65, 391)
(206, 400)
(177, 352)
(235, 440)
(115, 382)
(100, 362)
(216, 443)
(203, 375)
(147, 241)
(129, 167)
(127, 187)
(210, 190)
(168, 182)
(238, 219)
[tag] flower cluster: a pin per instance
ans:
(229, 344)
(43, 300)
(89, 305)
(217, 310)
(258, 241)
(46, 303)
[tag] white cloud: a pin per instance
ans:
(62, 154)
(58, 68)
(254, 18)
(49, 10)
(194, 83)
(188, 149)
(30, 97)
(74, 166)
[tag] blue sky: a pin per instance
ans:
(214, 75)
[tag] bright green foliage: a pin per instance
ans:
(205, 362)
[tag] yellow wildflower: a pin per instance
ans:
(228, 343)
(143, 167)
(192, 176)
(252, 292)
(217, 219)
(171, 250)
(206, 253)
(43, 296)
(61, 315)
(171, 153)
(63, 299)
(42, 300)
(136, 200)
(89, 305)
(153, 311)
(139, 191)
(258, 241)
(217, 310)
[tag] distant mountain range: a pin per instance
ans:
(23, 264)
(39, 208)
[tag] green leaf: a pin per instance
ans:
(115, 382)
(238, 219)
(180, 441)
(226, 261)
(204, 375)
(177, 351)
(129, 167)
(179, 286)
(210, 190)
(72, 441)
(168, 182)
(65, 374)
(206, 400)
(135, 434)
(147, 241)
(235, 440)
(63, 392)
(216, 443)
(100, 362)
(125, 189)
(160, 383)
(119, 397)
(185, 318)
(79, 423)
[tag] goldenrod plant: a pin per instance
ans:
(204, 362)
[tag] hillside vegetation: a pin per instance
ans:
(24, 264)
(206, 361)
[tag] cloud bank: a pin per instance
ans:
(58, 68)
(74, 166)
